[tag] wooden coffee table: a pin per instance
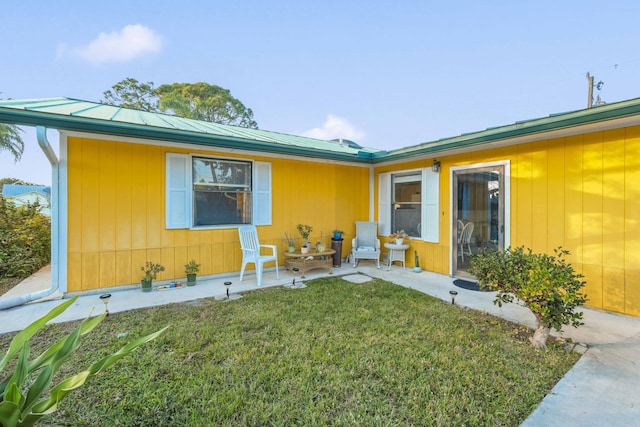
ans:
(310, 261)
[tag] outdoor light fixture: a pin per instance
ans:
(105, 299)
(453, 296)
(435, 166)
(227, 285)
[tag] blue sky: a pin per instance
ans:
(384, 74)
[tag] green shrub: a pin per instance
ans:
(546, 284)
(25, 239)
(21, 389)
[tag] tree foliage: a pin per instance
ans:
(546, 284)
(130, 93)
(25, 239)
(21, 404)
(200, 101)
(203, 101)
(11, 140)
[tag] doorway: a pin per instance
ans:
(478, 215)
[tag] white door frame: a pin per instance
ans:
(507, 202)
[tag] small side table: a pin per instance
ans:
(396, 253)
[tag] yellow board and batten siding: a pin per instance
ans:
(116, 212)
(580, 192)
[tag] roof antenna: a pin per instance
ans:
(591, 86)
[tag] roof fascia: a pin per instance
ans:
(567, 124)
(96, 126)
(243, 151)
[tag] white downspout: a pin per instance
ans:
(41, 133)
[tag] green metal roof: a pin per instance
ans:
(539, 126)
(82, 116)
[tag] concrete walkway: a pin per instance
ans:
(602, 389)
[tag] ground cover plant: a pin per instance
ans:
(334, 353)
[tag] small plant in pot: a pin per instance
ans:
(320, 246)
(337, 234)
(305, 231)
(290, 242)
(150, 271)
(191, 270)
(416, 268)
(398, 237)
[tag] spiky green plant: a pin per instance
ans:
(21, 404)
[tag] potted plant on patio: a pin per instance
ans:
(191, 270)
(398, 237)
(305, 231)
(337, 234)
(320, 245)
(150, 271)
(290, 242)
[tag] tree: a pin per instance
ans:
(130, 93)
(11, 141)
(546, 284)
(200, 101)
(203, 101)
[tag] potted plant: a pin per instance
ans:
(191, 270)
(291, 242)
(150, 271)
(399, 237)
(416, 267)
(305, 231)
(320, 246)
(337, 234)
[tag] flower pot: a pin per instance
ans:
(146, 285)
(292, 249)
(337, 236)
(417, 269)
(399, 241)
(191, 279)
(304, 250)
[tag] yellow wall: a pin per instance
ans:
(580, 192)
(116, 212)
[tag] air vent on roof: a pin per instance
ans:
(346, 142)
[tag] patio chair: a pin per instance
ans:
(465, 239)
(366, 244)
(251, 251)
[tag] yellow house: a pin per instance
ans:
(132, 186)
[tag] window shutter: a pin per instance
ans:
(431, 228)
(262, 193)
(384, 204)
(178, 191)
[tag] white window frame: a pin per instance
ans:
(430, 203)
(179, 192)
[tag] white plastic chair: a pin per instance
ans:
(251, 251)
(366, 244)
(465, 239)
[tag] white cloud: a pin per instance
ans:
(336, 127)
(129, 43)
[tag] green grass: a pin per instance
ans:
(334, 353)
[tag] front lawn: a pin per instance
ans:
(334, 353)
